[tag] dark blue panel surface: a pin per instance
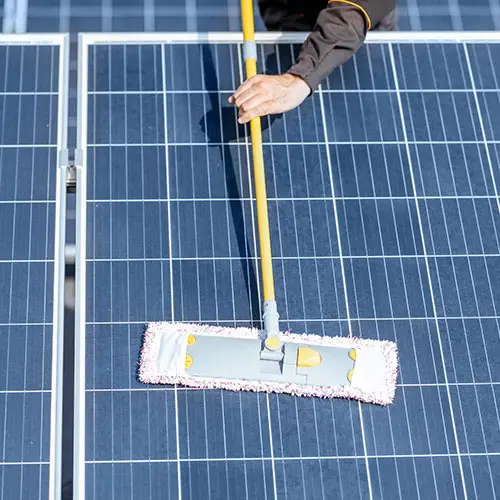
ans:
(381, 227)
(370, 170)
(469, 361)
(490, 109)
(306, 177)
(452, 170)
(232, 425)
(29, 69)
(26, 292)
(462, 226)
(109, 341)
(140, 64)
(26, 175)
(21, 241)
(423, 67)
(119, 416)
(440, 117)
(25, 357)
(28, 119)
(129, 276)
(207, 229)
(207, 172)
(186, 68)
(225, 481)
(224, 15)
(335, 430)
(417, 477)
(28, 480)
(126, 119)
(484, 61)
(128, 291)
(363, 117)
(481, 474)
(120, 173)
(26, 417)
(29, 76)
(419, 423)
(465, 286)
(384, 224)
(213, 290)
(139, 480)
(299, 480)
(303, 229)
(477, 425)
(134, 231)
(388, 288)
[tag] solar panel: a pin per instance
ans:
(224, 15)
(32, 195)
(384, 214)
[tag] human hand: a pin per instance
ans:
(264, 95)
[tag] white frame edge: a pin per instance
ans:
(58, 39)
(55, 473)
(275, 37)
(80, 273)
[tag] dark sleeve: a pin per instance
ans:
(339, 32)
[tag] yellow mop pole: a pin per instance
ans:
(270, 310)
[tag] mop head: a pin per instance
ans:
(169, 356)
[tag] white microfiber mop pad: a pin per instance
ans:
(374, 379)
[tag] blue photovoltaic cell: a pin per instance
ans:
(385, 223)
(28, 154)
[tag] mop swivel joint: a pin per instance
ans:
(272, 345)
(271, 319)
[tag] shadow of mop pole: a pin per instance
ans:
(218, 121)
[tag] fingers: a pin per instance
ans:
(252, 99)
(243, 88)
(256, 112)
(258, 105)
(264, 95)
(246, 96)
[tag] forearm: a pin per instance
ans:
(339, 32)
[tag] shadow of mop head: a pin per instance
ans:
(210, 357)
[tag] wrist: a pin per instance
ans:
(299, 82)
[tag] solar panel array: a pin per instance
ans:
(30, 227)
(223, 15)
(385, 218)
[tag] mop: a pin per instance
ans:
(248, 359)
